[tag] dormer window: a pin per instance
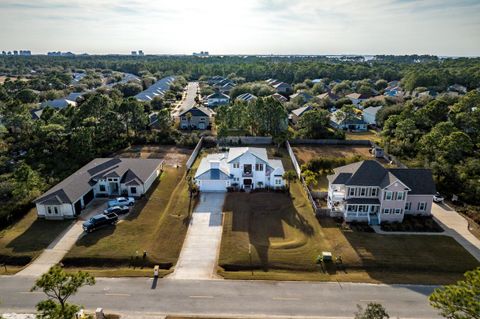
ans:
(236, 165)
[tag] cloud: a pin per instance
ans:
(443, 27)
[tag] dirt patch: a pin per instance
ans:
(306, 153)
(172, 155)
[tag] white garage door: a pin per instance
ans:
(213, 186)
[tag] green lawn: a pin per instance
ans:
(284, 238)
(25, 240)
(157, 224)
(370, 135)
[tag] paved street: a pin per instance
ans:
(224, 297)
(457, 227)
(189, 100)
(199, 255)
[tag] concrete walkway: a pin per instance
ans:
(198, 258)
(62, 244)
(54, 252)
(457, 227)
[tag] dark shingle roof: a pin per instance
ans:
(197, 111)
(419, 180)
(79, 183)
(363, 201)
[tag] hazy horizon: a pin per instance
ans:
(250, 27)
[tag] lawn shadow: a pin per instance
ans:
(38, 235)
(264, 222)
(90, 239)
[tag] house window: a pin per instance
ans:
(408, 206)
(49, 210)
(351, 191)
(388, 195)
(386, 210)
(102, 188)
(202, 119)
(374, 192)
(278, 181)
(400, 195)
(398, 210)
(56, 210)
(352, 208)
(363, 191)
(236, 165)
(259, 167)
(133, 190)
(422, 206)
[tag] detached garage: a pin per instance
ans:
(211, 176)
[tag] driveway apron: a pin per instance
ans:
(199, 255)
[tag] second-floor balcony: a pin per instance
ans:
(247, 174)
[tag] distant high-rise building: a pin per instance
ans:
(140, 52)
(134, 53)
(15, 52)
(4, 53)
(202, 54)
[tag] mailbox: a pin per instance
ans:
(155, 271)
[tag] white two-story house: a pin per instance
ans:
(366, 191)
(240, 167)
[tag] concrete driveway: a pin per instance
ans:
(457, 227)
(63, 243)
(199, 255)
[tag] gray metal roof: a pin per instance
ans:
(157, 88)
(79, 183)
(301, 110)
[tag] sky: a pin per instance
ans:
(321, 27)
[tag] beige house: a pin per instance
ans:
(197, 118)
(367, 191)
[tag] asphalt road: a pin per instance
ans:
(142, 296)
(189, 100)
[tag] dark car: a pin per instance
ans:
(119, 210)
(99, 221)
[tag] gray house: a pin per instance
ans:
(366, 191)
(102, 177)
(340, 121)
(298, 113)
(197, 117)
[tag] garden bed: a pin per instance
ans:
(421, 224)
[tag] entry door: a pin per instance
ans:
(114, 189)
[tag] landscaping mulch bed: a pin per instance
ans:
(421, 224)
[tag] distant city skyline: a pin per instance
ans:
(253, 27)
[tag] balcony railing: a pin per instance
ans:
(247, 174)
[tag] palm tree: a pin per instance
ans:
(289, 176)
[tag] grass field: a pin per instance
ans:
(25, 240)
(285, 238)
(157, 225)
(370, 135)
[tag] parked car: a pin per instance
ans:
(99, 221)
(437, 198)
(121, 201)
(119, 210)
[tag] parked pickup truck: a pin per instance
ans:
(99, 221)
(121, 201)
(119, 210)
